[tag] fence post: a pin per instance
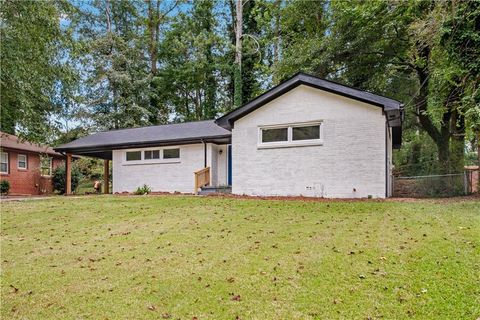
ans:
(465, 182)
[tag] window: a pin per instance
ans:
(45, 165)
(306, 133)
(291, 135)
(22, 161)
(151, 154)
(275, 135)
(134, 155)
(4, 162)
(171, 153)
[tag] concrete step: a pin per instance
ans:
(213, 189)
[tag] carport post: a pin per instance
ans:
(106, 178)
(68, 174)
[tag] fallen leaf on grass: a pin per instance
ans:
(151, 308)
(236, 298)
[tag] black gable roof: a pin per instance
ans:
(390, 106)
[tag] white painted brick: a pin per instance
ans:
(352, 156)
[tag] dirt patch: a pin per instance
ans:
(473, 197)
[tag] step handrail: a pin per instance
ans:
(202, 178)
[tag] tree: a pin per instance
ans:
(237, 73)
(116, 82)
(35, 75)
(189, 62)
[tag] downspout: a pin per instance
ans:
(204, 154)
(386, 158)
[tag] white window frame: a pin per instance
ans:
(8, 162)
(50, 165)
(18, 162)
(290, 142)
(144, 161)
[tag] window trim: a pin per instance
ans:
(50, 167)
(290, 142)
(8, 163)
(144, 161)
(18, 161)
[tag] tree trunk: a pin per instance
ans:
(478, 156)
(276, 39)
(237, 91)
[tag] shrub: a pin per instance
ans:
(4, 187)
(58, 178)
(145, 189)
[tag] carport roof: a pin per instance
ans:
(101, 144)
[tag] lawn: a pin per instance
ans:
(185, 257)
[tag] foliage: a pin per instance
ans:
(145, 189)
(59, 178)
(4, 187)
(36, 73)
(166, 257)
(90, 168)
(78, 67)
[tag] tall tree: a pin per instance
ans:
(35, 75)
(189, 58)
(116, 69)
(237, 73)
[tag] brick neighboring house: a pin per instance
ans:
(27, 166)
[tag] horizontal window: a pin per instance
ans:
(302, 134)
(134, 155)
(306, 133)
(22, 161)
(171, 153)
(151, 154)
(274, 135)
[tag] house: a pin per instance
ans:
(307, 136)
(26, 166)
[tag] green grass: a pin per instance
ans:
(182, 257)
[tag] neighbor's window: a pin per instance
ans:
(275, 135)
(45, 165)
(306, 133)
(151, 154)
(171, 153)
(134, 155)
(22, 161)
(4, 162)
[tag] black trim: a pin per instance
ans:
(204, 154)
(396, 137)
(387, 104)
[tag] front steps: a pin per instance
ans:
(212, 190)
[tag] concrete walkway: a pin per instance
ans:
(23, 198)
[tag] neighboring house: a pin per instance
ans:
(26, 166)
(306, 136)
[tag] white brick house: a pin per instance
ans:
(307, 136)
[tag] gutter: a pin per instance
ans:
(142, 144)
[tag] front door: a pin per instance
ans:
(229, 165)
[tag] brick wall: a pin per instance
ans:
(349, 164)
(28, 181)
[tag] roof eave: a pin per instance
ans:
(141, 144)
(227, 121)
